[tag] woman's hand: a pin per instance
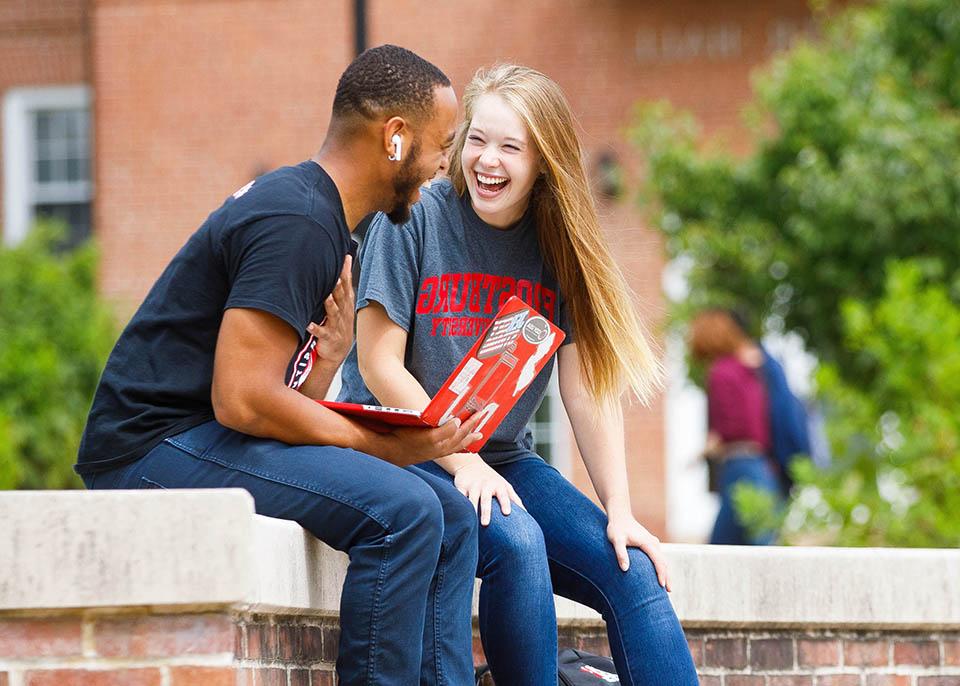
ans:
(625, 530)
(480, 483)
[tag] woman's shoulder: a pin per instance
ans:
(437, 203)
(440, 197)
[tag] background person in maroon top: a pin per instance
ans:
(738, 419)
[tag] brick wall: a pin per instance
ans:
(93, 649)
(824, 658)
(223, 649)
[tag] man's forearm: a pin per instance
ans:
(286, 415)
(318, 383)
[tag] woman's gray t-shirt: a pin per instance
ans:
(442, 277)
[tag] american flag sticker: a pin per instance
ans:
(502, 334)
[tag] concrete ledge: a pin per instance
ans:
(75, 549)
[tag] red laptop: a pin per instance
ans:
(489, 380)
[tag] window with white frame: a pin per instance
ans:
(46, 160)
(551, 429)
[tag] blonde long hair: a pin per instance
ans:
(614, 347)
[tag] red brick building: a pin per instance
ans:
(186, 100)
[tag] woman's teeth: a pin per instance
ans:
(490, 183)
(490, 180)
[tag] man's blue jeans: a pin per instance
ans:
(559, 545)
(757, 471)
(405, 613)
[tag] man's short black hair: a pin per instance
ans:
(388, 80)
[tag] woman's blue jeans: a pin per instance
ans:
(405, 612)
(757, 471)
(559, 545)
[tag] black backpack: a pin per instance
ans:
(577, 668)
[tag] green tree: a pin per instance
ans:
(896, 480)
(842, 226)
(857, 162)
(55, 335)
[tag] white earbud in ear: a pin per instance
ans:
(397, 148)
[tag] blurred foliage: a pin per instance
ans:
(896, 441)
(55, 335)
(843, 226)
(857, 161)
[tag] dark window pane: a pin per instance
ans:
(76, 216)
(43, 149)
(44, 171)
(43, 125)
(541, 430)
(62, 135)
(58, 124)
(71, 124)
(76, 170)
(60, 169)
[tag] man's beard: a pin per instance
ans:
(405, 183)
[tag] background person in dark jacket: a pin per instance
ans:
(739, 439)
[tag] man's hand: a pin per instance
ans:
(335, 333)
(406, 446)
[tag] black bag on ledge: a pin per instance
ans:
(577, 668)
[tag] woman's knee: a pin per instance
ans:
(638, 585)
(513, 542)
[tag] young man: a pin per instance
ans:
(211, 382)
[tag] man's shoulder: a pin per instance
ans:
(288, 191)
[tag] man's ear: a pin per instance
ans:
(395, 126)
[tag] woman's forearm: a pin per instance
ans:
(600, 439)
(393, 385)
(598, 430)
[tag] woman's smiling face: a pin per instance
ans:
(500, 162)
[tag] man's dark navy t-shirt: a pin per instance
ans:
(276, 245)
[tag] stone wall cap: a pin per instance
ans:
(80, 549)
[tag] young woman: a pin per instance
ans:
(516, 217)
(739, 440)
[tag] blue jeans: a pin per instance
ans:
(405, 612)
(559, 545)
(757, 471)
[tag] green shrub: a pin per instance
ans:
(842, 226)
(896, 442)
(55, 335)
